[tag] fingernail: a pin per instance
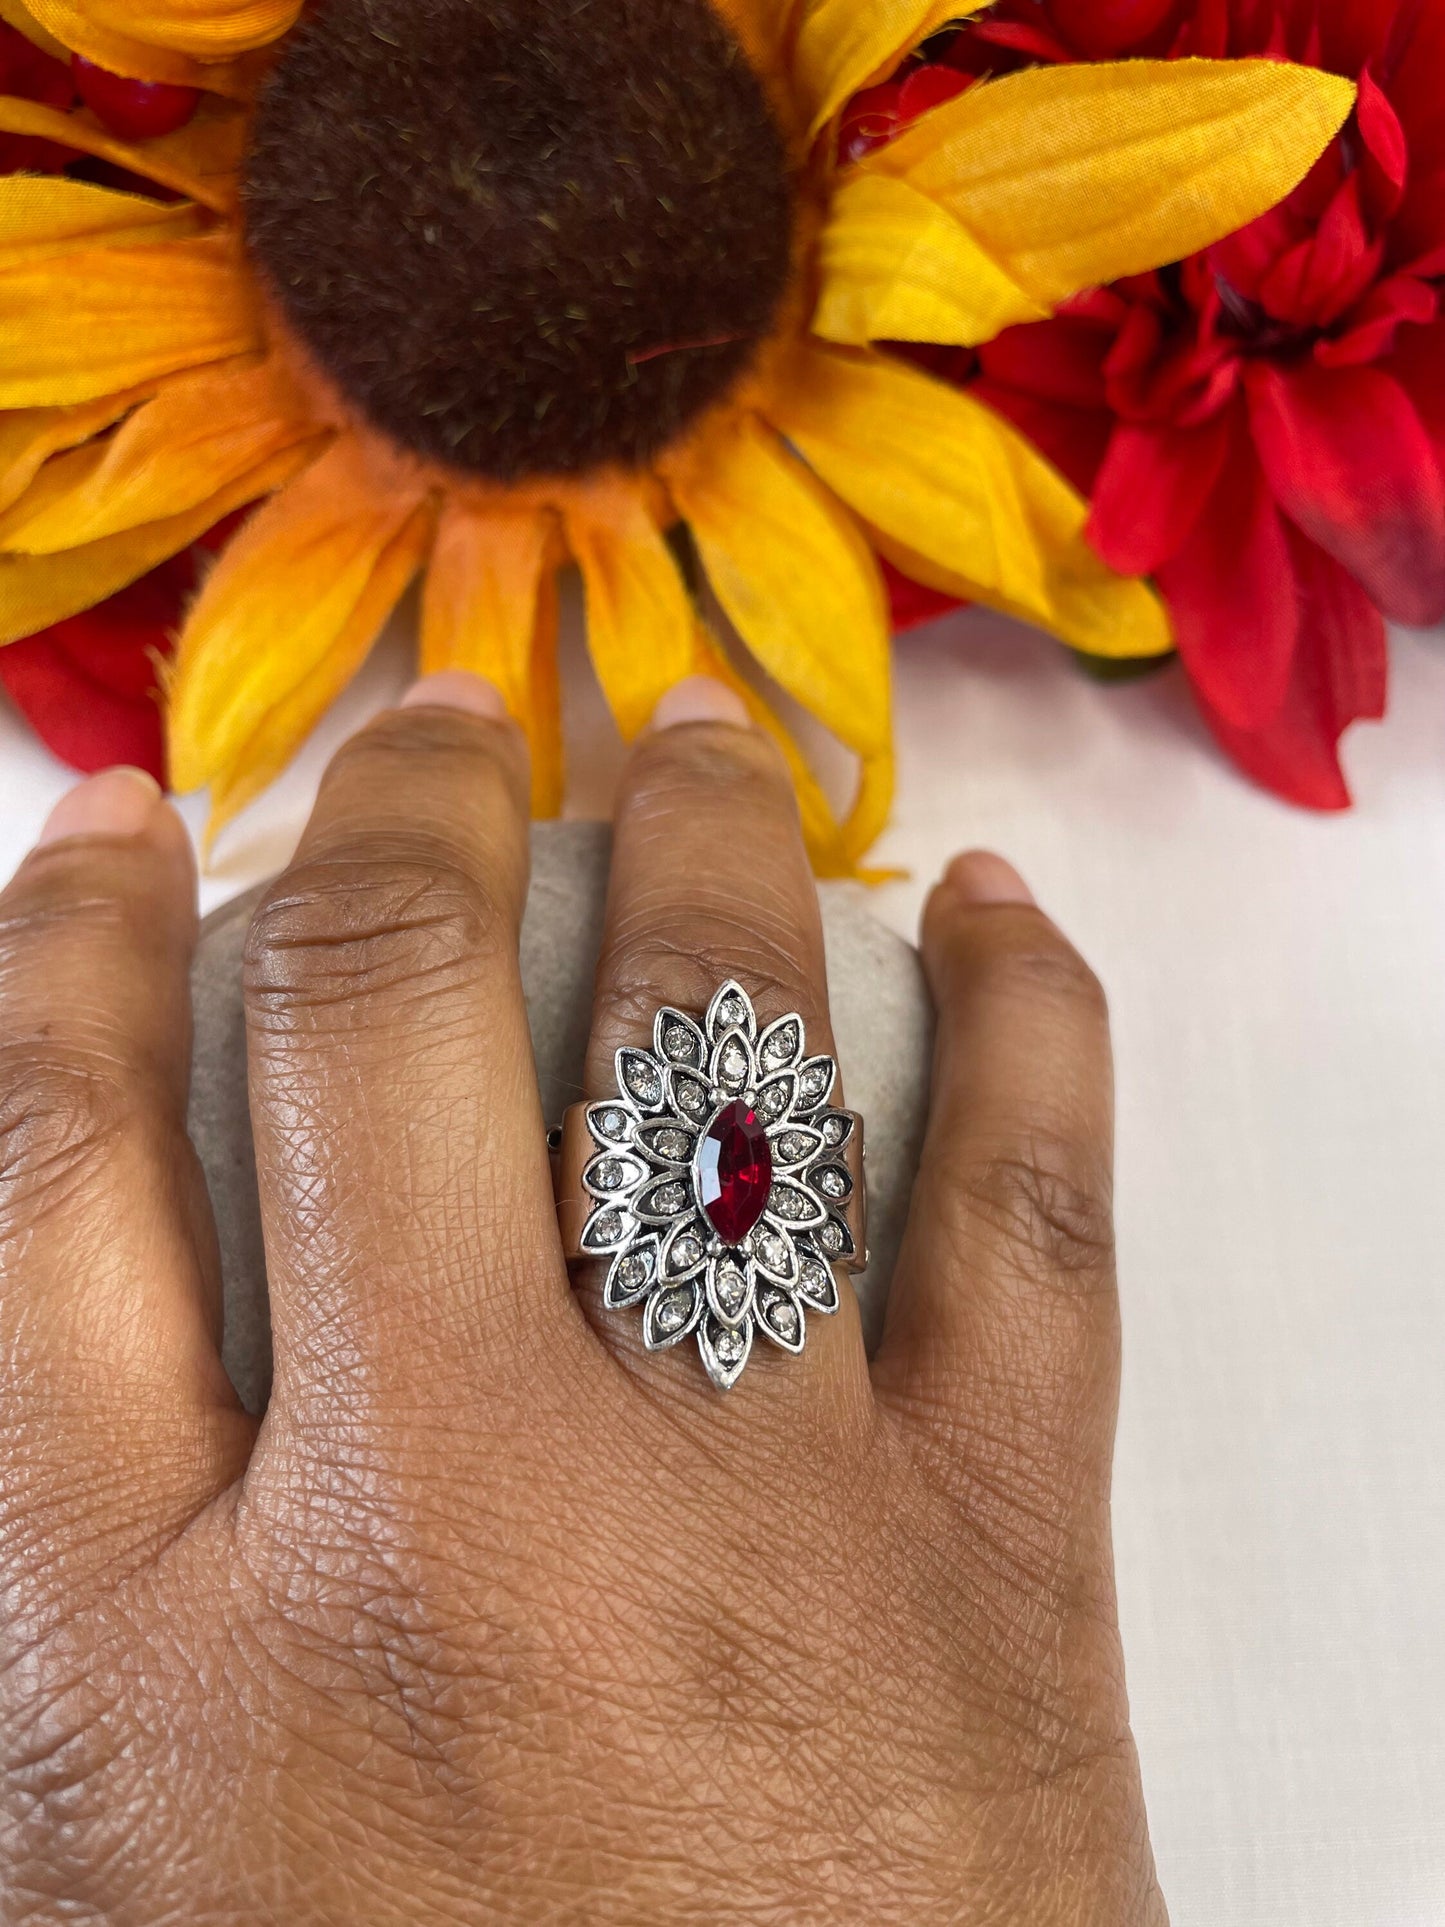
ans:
(701, 699)
(457, 689)
(118, 802)
(983, 878)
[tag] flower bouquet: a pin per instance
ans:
(779, 298)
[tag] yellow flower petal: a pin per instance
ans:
(800, 585)
(208, 31)
(16, 14)
(844, 45)
(201, 433)
(41, 218)
(898, 267)
(36, 591)
(491, 607)
(641, 622)
(938, 473)
(30, 436)
(200, 161)
(1069, 177)
(129, 315)
(286, 619)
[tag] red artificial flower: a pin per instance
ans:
(90, 687)
(1262, 428)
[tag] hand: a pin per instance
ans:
(496, 1617)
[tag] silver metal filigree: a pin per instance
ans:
(648, 1213)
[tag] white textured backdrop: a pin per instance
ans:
(1278, 984)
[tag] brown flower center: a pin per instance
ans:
(523, 237)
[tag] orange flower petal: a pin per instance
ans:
(846, 45)
(177, 41)
(30, 436)
(201, 161)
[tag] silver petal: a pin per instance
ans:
(610, 1175)
(676, 1039)
(725, 1351)
(611, 1123)
(790, 1204)
(684, 1250)
(641, 1077)
(775, 1253)
(779, 1316)
(672, 1312)
(730, 1285)
(663, 1200)
(689, 1096)
(817, 1286)
(831, 1181)
(668, 1140)
(607, 1230)
(732, 1062)
(835, 1240)
(781, 1044)
(816, 1079)
(795, 1145)
(633, 1274)
(837, 1128)
(777, 1096)
(731, 1009)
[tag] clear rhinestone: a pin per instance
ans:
(643, 1080)
(789, 1205)
(732, 1290)
(672, 1144)
(782, 1045)
(686, 1251)
(669, 1197)
(772, 1102)
(794, 1147)
(674, 1310)
(611, 1174)
(832, 1184)
(680, 1044)
(831, 1236)
(773, 1251)
(782, 1315)
(733, 1066)
(814, 1081)
(691, 1097)
(632, 1272)
(605, 1228)
(731, 1014)
(835, 1129)
(729, 1347)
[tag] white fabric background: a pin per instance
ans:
(1278, 984)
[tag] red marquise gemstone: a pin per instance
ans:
(136, 110)
(734, 1172)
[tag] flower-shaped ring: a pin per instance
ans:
(719, 1181)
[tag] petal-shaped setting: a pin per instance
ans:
(777, 1096)
(962, 501)
(1074, 176)
(837, 1128)
(689, 1095)
(780, 1317)
(816, 1079)
(611, 1123)
(611, 1176)
(795, 1207)
(673, 1311)
(832, 1182)
(640, 1076)
(607, 1230)
(725, 1350)
(781, 1045)
(676, 1039)
(730, 1285)
(775, 1253)
(662, 1202)
(684, 1249)
(795, 1146)
(669, 1141)
(632, 1275)
(732, 1067)
(835, 1241)
(731, 1009)
(816, 1286)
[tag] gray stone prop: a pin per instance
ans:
(881, 1015)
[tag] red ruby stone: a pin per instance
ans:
(734, 1172)
(136, 110)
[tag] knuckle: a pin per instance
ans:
(1054, 1218)
(681, 957)
(58, 1112)
(338, 928)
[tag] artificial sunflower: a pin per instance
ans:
(473, 289)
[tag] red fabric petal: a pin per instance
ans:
(1339, 677)
(1151, 491)
(1350, 463)
(89, 687)
(911, 605)
(1418, 365)
(1231, 592)
(1376, 322)
(1387, 152)
(1075, 440)
(1059, 361)
(1104, 29)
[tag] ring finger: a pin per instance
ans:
(711, 884)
